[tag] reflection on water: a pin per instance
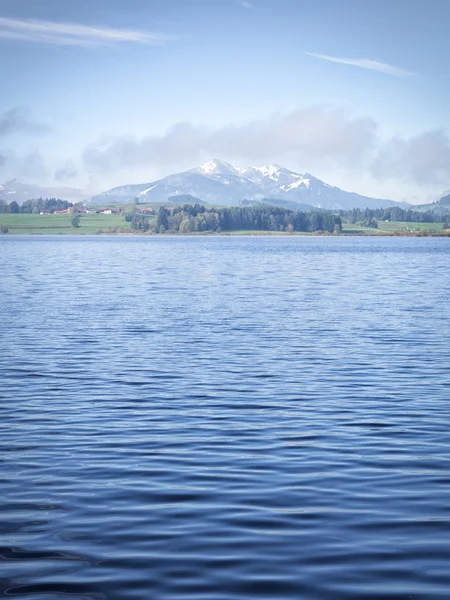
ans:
(225, 418)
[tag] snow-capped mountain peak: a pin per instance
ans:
(270, 175)
(220, 167)
(218, 182)
(271, 171)
(217, 167)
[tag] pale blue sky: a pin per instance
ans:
(353, 92)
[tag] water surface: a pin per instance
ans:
(224, 418)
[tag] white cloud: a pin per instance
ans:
(423, 159)
(66, 172)
(72, 34)
(317, 139)
(26, 167)
(364, 63)
(316, 135)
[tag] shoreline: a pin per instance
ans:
(227, 234)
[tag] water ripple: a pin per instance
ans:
(224, 418)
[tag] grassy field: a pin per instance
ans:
(258, 232)
(349, 229)
(41, 224)
(94, 223)
(392, 226)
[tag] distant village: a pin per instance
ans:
(86, 210)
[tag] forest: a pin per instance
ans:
(196, 218)
(34, 206)
(368, 217)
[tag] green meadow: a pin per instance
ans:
(392, 227)
(52, 224)
(91, 224)
(403, 226)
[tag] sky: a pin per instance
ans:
(111, 92)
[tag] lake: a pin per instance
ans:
(220, 418)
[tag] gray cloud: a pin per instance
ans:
(318, 138)
(317, 133)
(365, 63)
(423, 159)
(30, 167)
(73, 34)
(17, 120)
(14, 121)
(27, 167)
(65, 174)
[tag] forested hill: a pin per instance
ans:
(188, 218)
(366, 215)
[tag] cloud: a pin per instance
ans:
(65, 173)
(73, 34)
(317, 134)
(423, 159)
(16, 120)
(318, 139)
(13, 121)
(246, 4)
(27, 167)
(30, 167)
(364, 63)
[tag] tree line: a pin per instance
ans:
(368, 217)
(34, 206)
(197, 218)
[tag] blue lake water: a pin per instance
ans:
(224, 418)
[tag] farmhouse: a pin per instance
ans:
(78, 209)
(109, 211)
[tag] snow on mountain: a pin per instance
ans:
(218, 182)
(217, 167)
(296, 184)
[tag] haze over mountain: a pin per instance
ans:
(218, 182)
(440, 207)
(18, 191)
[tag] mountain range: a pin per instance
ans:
(218, 182)
(440, 207)
(20, 192)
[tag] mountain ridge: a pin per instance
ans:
(20, 192)
(219, 182)
(440, 207)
